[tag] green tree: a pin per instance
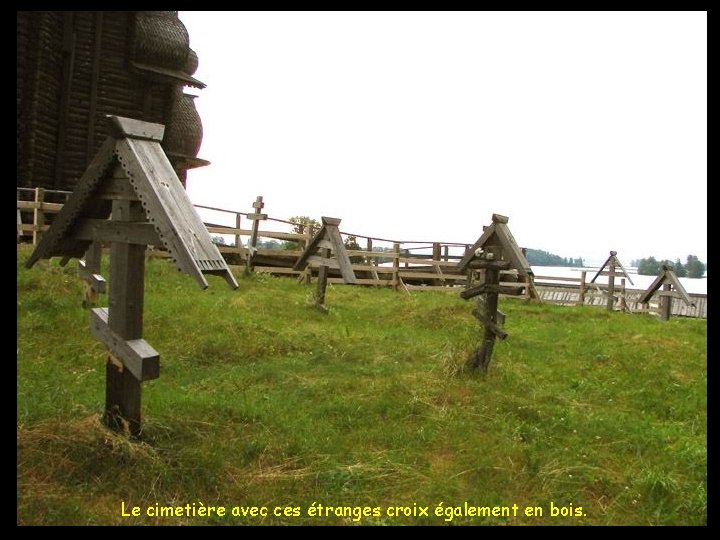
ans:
(648, 267)
(695, 268)
(301, 224)
(680, 270)
(351, 243)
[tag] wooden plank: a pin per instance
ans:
(322, 281)
(428, 275)
(602, 268)
(176, 221)
(520, 263)
(363, 281)
(491, 288)
(47, 207)
(125, 320)
(494, 328)
(654, 286)
(540, 279)
(38, 215)
(470, 253)
(218, 229)
(48, 246)
(481, 264)
(624, 273)
(116, 188)
(672, 278)
(333, 234)
(121, 127)
(665, 303)
(311, 248)
(137, 355)
(96, 281)
(316, 262)
(325, 244)
(256, 217)
(114, 231)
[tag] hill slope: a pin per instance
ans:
(263, 401)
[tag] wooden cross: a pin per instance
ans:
(494, 252)
(612, 264)
(326, 250)
(130, 181)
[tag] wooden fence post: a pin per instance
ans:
(623, 301)
(665, 303)
(611, 283)
(581, 293)
(322, 282)
(256, 216)
(38, 215)
(238, 242)
(436, 254)
(396, 266)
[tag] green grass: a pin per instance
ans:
(264, 401)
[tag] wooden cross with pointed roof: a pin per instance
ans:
(496, 250)
(612, 264)
(130, 197)
(672, 288)
(326, 250)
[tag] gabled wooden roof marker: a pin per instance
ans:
(326, 250)
(130, 197)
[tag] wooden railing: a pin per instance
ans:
(401, 264)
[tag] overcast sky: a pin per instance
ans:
(587, 129)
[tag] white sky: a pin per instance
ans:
(587, 129)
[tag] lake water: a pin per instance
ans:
(692, 286)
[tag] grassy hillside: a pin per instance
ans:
(263, 401)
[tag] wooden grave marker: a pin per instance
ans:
(612, 264)
(672, 288)
(130, 197)
(495, 251)
(326, 250)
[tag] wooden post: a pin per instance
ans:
(665, 303)
(125, 318)
(623, 302)
(396, 266)
(38, 215)
(369, 247)
(581, 294)
(487, 310)
(611, 282)
(238, 242)
(322, 282)
(257, 206)
(436, 254)
(446, 253)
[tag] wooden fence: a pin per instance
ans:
(403, 265)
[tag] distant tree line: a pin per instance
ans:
(693, 267)
(538, 257)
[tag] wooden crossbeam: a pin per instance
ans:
(494, 328)
(137, 355)
(96, 281)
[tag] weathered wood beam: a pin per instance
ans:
(494, 328)
(137, 355)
